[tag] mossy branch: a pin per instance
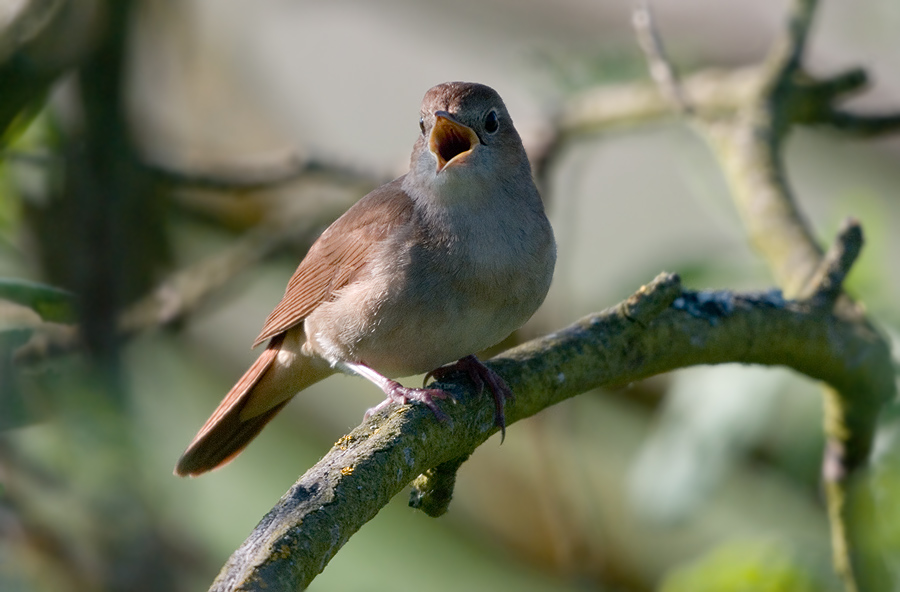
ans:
(661, 327)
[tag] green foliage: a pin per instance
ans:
(747, 566)
(28, 168)
(19, 405)
(52, 304)
(23, 121)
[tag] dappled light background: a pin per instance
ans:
(706, 477)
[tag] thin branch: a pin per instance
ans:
(658, 329)
(826, 284)
(616, 106)
(716, 94)
(246, 179)
(838, 86)
(864, 125)
(749, 146)
(786, 55)
(712, 91)
(661, 69)
(190, 288)
(254, 178)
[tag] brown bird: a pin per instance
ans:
(445, 261)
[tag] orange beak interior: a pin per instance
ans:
(450, 139)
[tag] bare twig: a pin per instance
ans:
(232, 180)
(313, 206)
(864, 125)
(786, 55)
(248, 179)
(661, 69)
(188, 288)
(825, 285)
(712, 91)
(714, 94)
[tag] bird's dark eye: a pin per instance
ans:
(422, 124)
(491, 123)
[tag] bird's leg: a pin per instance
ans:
(397, 393)
(480, 375)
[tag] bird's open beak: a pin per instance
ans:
(450, 140)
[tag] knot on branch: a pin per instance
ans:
(432, 490)
(651, 299)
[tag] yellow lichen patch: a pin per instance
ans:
(343, 442)
(347, 471)
(284, 551)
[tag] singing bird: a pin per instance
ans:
(443, 262)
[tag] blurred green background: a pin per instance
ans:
(707, 479)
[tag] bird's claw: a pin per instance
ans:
(401, 395)
(480, 375)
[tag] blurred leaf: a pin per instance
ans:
(53, 304)
(27, 24)
(37, 44)
(23, 119)
(9, 206)
(14, 408)
(29, 170)
(747, 566)
(710, 418)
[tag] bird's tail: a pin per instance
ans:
(256, 398)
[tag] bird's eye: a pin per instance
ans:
(422, 124)
(491, 123)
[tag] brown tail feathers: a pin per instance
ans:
(225, 434)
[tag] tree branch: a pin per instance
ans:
(615, 106)
(749, 144)
(660, 328)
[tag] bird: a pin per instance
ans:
(416, 277)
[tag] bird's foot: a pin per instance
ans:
(401, 395)
(480, 375)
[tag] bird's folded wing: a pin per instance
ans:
(339, 255)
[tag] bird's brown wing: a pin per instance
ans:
(337, 257)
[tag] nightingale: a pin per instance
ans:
(443, 262)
